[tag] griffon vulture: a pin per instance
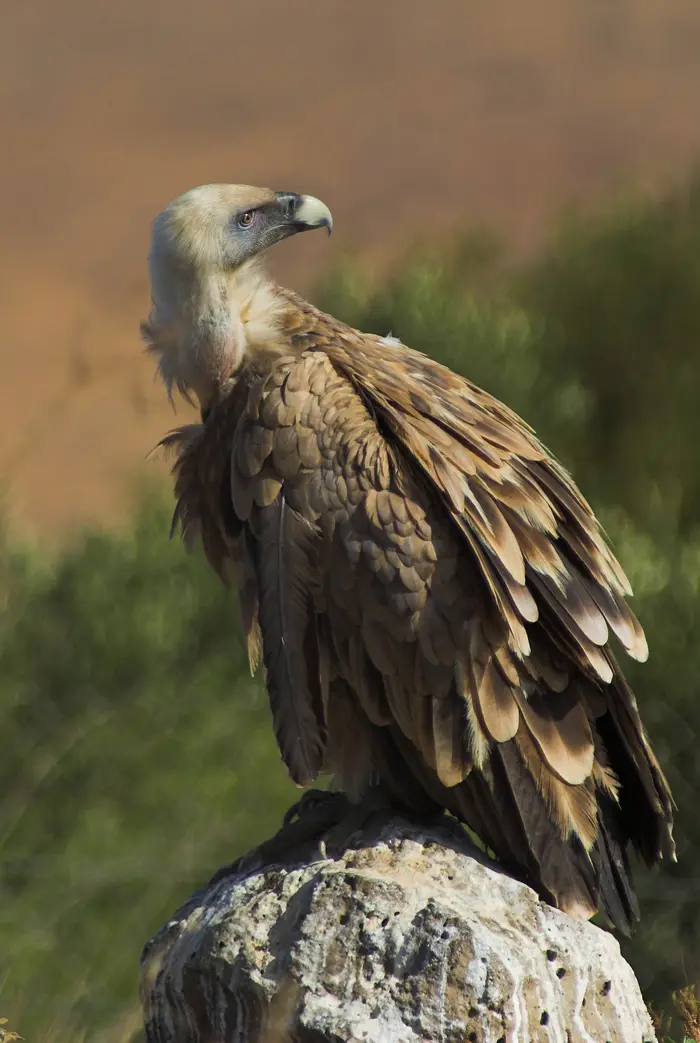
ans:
(430, 594)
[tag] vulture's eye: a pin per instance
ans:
(245, 220)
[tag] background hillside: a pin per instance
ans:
(137, 755)
(408, 118)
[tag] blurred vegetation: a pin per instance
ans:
(685, 1006)
(138, 754)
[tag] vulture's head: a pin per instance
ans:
(209, 294)
(221, 227)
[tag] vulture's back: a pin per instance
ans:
(433, 602)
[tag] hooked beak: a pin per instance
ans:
(304, 212)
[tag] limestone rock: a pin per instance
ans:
(414, 937)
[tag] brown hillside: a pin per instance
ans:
(405, 117)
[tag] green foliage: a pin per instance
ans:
(137, 758)
(137, 753)
(686, 1015)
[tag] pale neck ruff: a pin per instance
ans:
(203, 337)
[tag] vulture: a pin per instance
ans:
(431, 596)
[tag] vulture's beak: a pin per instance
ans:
(302, 213)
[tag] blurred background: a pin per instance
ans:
(515, 192)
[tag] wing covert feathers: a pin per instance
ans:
(412, 562)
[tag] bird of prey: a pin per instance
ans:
(430, 594)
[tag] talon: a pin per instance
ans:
(290, 814)
(311, 802)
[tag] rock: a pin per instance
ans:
(415, 936)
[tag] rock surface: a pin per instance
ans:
(413, 937)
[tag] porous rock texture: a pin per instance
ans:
(415, 936)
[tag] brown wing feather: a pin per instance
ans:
(533, 543)
(515, 536)
(283, 553)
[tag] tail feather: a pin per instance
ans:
(618, 901)
(645, 797)
(503, 805)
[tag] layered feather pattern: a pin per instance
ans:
(405, 543)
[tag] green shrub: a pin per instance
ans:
(137, 757)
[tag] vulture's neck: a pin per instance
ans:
(205, 331)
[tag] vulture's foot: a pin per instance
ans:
(362, 824)
(334, 822)
(315, 802)
(324, 824)
(301, 837)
